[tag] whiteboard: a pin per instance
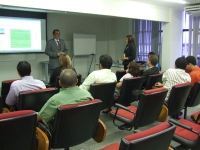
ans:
(84, 44)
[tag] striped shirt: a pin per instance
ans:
(174, 76)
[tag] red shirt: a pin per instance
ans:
(195, 75)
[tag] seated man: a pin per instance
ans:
(152, 61)
(104, 75)
(194, 69)
(69, 94)
(175, 76)
(27, 83)
(145, 64)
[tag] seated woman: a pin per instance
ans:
(132, 71)
(65, 63)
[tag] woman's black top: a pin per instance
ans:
(55, 74)
(130, 52)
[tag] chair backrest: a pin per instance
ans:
(152, 79)
(177, 98)
(149, 107)
(120, 74)
(58, 77)
(1, 107)
(104, 92)
(79, 79)
(156, 138)
(75, 124)
(18, 130)
(5, 87)
(128, 85)
(194, 98)
(35, 100)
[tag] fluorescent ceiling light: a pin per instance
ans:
(178, 1)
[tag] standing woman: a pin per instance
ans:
(129, 51)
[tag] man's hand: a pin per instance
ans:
(159, 84)
(58, 54)
(122, 58)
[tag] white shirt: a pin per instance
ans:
(99, 76)
(27, 83)
(56, 40)
(127, 75)
(174, 76)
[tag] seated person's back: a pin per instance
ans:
(132, 71)
(65, 63)
(152, 61)
(69, 94)
(104, 75)
(27, 83)
(193, 69)
(175, 76)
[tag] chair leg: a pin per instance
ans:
(67, 148)
(185, 112)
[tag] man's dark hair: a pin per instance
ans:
(151, 53)
(192, 60)
(181, 63)
(105, 61)
(24, 68)
(55, 31)
(68, 78)
(153, 59)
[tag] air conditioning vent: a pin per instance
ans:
(194, 10)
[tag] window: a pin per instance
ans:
(148, 38)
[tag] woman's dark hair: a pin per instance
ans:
(131, 40)
(133, 69)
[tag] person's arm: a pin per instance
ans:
(53, 54)
(132, 52)
(48, 111)
(159, 84)
(193, 79)
(88, 81)
(11, 97)
(119, 85)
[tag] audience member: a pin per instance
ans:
(69, 94)
(104, 75)
(152, 61)
(27, 83)
(194, 69)
(175, 76)
(145, 64)
(65, 63)
(132, 71)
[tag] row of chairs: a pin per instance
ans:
(21, 125)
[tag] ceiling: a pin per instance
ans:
(165, 3)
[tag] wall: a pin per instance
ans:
(172, 40)
(117, 8)
(110, 33)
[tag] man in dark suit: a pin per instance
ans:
(152, 61)
(54, 49)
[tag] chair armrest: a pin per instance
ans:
(180, 124)
(43, 141)
(46, 130)
(123, 107)
(100, 132)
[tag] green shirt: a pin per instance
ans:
(66, 96)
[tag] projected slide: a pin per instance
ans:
(20, 35)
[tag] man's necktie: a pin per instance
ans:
(59, 46)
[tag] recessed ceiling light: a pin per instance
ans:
(178, 1)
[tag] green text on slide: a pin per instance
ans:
(20, 38)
